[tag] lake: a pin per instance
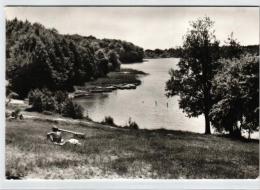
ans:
(147, 104)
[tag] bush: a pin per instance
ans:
(132, 124)
(108, 121)
(35, 99)
(60, 96)
(71, 109)
(48, 102)
(42, 100)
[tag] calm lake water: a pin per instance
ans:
(147, 104)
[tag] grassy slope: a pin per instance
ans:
(112, 153)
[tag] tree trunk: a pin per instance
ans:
(207, 124)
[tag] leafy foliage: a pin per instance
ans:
(47, 102)
(71, 109)
(132, 124)
(166, 53)
(192, 81)
(38, 57)
(236, 93)
(108, 120)
(42, 100)
(221, 83)
(124, 52)
(231, 49)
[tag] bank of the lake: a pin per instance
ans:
(123, 79)
(109, 152)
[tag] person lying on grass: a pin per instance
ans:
(56, 137)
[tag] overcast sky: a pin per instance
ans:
(148, 27)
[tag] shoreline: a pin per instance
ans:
(99, 124)
(125, 79)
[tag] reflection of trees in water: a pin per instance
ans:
(93, 100)
(101, 98)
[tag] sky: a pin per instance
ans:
(148, 27)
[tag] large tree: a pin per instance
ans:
(236, 94)
(192, 80)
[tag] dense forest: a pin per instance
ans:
(177, 52)
(37, 57)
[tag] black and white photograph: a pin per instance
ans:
(131, 92)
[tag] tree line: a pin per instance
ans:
(222, 83)
(163, 53)
(177, 52)
(37, 57)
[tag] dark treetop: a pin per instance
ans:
(37, 57)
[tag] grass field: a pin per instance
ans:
(124, 153)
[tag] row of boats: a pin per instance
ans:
(100, 89)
